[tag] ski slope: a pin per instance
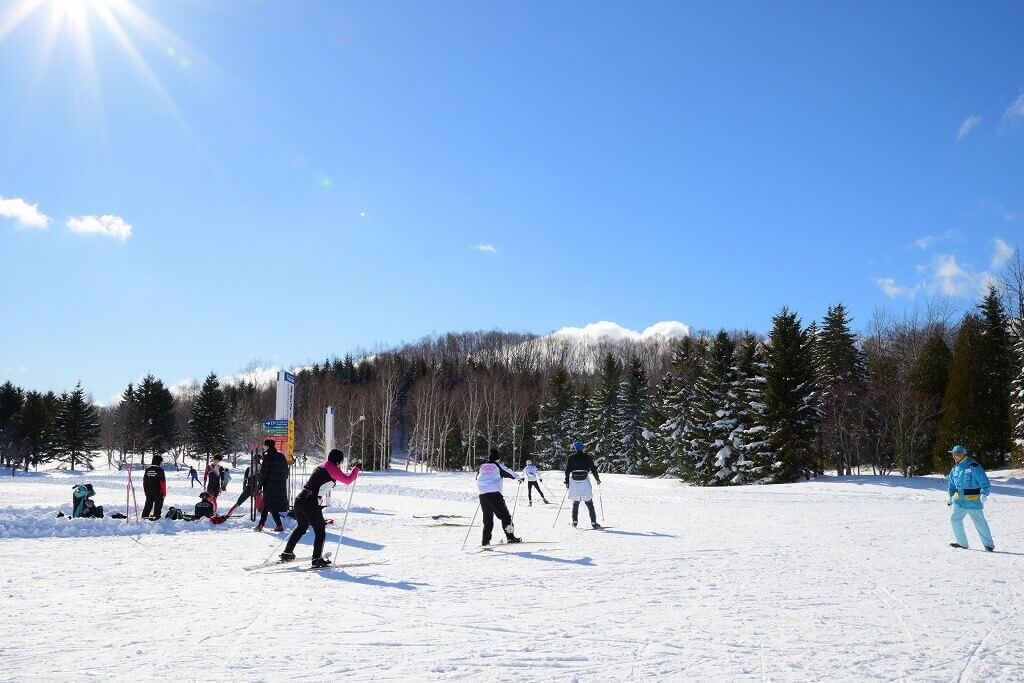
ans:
(840, 578)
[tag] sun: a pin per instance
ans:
(70, 24)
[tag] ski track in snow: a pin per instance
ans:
(839, 578)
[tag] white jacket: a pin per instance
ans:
(489, 476)
(531, 472)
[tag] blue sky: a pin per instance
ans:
(301, 178)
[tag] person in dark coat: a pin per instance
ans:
(274, 485)
(154, 485)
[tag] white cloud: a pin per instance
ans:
(969, 123)
(671, 329)
(894, 290)
(1002, 253)
(110, 226)
(485, 248)
(1016, 109)
(929, 241)
(26, 215)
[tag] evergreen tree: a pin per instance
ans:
(674, 434)
(790, 399)
(77, 427)
(841, 376)
(1017, 399)
(155, 416)
(656, 460)
(755, 460)
(553, 431)
(604, 417)
(34, 428)
(210, 424)
(963, 405)
(633, 425)
(579, 416)
(11, 400)
(713, 418)
(928, 380)
(998, 372)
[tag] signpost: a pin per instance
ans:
(328, 431)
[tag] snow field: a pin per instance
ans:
(836, 579)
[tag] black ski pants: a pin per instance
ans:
(493, 505)
(154, 505)
(277, 517)
(242, 497)
(308, 513)
(590, 508)
(530, 486)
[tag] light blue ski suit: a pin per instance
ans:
(968, 487)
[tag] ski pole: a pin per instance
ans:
(600, 500)
(274, 552)
(470, 529)
(560, 507)
(515, 505)
(344, 522)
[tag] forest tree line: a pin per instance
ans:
(719, 408)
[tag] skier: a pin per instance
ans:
(968, 490)
(154, 485)
(532, 477)
(492, 503)
(578, 469)
(274, 486)
(193, 476)
(214, 478)
(308, 510)
(246, 491)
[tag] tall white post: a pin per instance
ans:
(328, 431)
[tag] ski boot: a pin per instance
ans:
(596, 526)
(574, 524)
(513, 539)
(287, 557)
(485, 544)
(990, 550)
(957, 545)
(531, 504)
(258, 527)
(279, 528)
(321, 562)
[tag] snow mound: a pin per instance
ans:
(41, 522)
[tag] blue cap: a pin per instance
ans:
(577, 446)
(959, 450)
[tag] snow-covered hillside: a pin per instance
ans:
(846, 579)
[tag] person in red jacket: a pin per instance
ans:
(154, 486)
(308, 511)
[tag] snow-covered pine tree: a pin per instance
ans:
(35, 428)
(656, 462)
(713, 418)
(76, 428)
(673, 433)
(790, 399)
(633, 417)
(209, 424)
(605, 417)
(578, 416)
(553, 430)
(841, 378)
(998, 369)
(1017, 398)
(157, 420)
(754, 459)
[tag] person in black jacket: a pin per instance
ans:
(213, 476)
(274, 485)
(154, 485)
(578, 469)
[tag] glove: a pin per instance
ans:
(566, 484)
(520, 479)
(949, 502)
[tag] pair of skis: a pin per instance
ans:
(290, 565)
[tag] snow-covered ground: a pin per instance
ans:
(846, 579)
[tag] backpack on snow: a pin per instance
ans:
(174, 513)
